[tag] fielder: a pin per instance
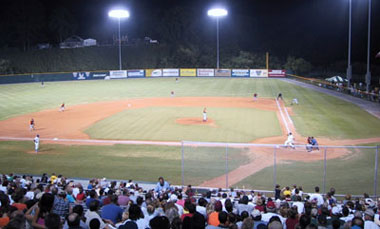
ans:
(204, 115)
(294, 101)
(36, 143)
(62, 108)
(255, 97)
(31, 124)
(290, 141)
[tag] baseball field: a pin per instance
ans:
(132, 129)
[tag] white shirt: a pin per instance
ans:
(90, 215)
(36, 140)
(370, 225)
(300, 206)
(318, 197)
(290, 137)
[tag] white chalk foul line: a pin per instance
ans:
(288, 116)
(282, 116)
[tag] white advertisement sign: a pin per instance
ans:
(258, 73)
(119, 74)
(170, 72)
(205, 72)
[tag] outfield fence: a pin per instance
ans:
(349, 169)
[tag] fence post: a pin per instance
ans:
(274, 167)
(324, 171)
(375, 175)
(226, 166)
(182, 164)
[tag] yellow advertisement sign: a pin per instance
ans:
(188, 72)
(153, 72)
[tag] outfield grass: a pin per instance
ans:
(353, 174)
(137, 162)
(318, 114)
(159, 123)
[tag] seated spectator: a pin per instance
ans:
(213, 217)
(81, 196)
(95, 224)
(162, 185)
(159, 222)
(112, 211)
(53, 221)
(78, 209)
(61, 205)
(256, 216)
(123, 199)
(292, 219)
(134, 213)
(190, 208)
(93, 196)
(18, 198)
(92, 213)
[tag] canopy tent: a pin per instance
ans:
(336, 79)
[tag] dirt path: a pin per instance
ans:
(67, 128)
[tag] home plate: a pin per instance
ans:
(55, 139)
(129, 105)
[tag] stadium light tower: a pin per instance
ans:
(119, 14)
(217, 13)
(368, 74)
(349, 67)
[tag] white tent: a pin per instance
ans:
(89, 42)
(336, 79)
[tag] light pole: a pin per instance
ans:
(217, 13)
(368, 74)
(119, 14)
(349, 67)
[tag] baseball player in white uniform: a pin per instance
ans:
(290, 141)
(36, 143)
(204, 115)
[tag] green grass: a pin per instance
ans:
(159, 123)
(137, 162)
(318, 114)
(353, 174)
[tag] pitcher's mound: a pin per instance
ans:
(195, 121)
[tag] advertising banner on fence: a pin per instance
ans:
(205, 72)
(119, 74)
(170, 72)
(153, 72)
(99, 75)
(188, 72)
(81, 75)
(258, 73)
(240, 73)
(223, 72)
(138, 73)
(277, 73)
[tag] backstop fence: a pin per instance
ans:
(349, 169)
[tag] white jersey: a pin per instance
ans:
(204, 116)
(36, 140)
(290, 138)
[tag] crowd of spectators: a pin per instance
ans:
(55, 202)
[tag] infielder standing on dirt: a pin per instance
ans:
(204, 115)
(36, 143)
(62, 108)
(31, 124)
(290, 141)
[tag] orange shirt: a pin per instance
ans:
(213, 219)
(19, 206)
(4, 221)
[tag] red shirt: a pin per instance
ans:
(186, 215)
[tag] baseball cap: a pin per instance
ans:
(173, 197)
(369, 212)
(256, 213)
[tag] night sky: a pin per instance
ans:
(316, 30)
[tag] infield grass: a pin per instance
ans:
(159, 123)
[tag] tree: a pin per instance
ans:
(297, 65)
(62, 23)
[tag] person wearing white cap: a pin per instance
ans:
(256, 216)
(369, 215)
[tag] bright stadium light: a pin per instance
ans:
(119, 14)
(217, 13)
